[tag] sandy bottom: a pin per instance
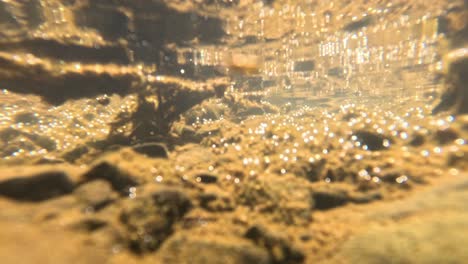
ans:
(370, 181)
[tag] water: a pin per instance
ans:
(230, 130)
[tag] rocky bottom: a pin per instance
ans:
(371, 182)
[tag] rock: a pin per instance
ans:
(214, 199)
(206, 178)
(350, 116)
(18, 145)
(455, 96)
(153, 150)
(27, 118)
(9, 134)
(372, 140)
(361, 198)
(280, 250)
(210, 109)
(329, 198)
(175, 96)
(396, 176)
(207, 131)
(445, 136)
(304, 66)
(417, 140)
(42, 141)
(76, 153)
(36, 187)
(358, 24)
(149, 220)
(332, 195)
(96, 194)
(336, 72)
(191, 155)
(185, 248)
(458, 159)
(48, 160)
(103, 100)
(118, 178)
(252, 110)
(287, 199)
(89, 224)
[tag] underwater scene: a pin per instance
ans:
(233, 131)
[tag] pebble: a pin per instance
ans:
(373, 141)
(206, 178)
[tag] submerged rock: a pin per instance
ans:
(455, 96)
(36, 186)
(96, 194)
(153, 150)
(206, 178)
(287, 199)
(445, 136)
(331, 198)
(149, 220)
(280, 250)
(118, 178)
(89, 224)
(185, 248)
(358, 24)
(214, 199)
(372, 140)
(76, 153)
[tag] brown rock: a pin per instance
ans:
(36, 186)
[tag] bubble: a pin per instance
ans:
(425, 153)
(158, 178)
(132, 192)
